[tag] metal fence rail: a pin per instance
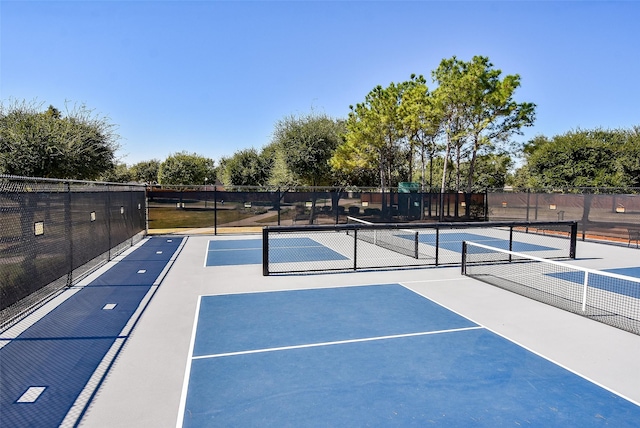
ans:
(53, 232)
(318, 248)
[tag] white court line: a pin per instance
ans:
(338, 342)
(187, 371)
(232, 249)
(31, 394)
(209, 250)
(368, 284)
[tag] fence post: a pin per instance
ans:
(463, 270)
(215, 210)
(278, 205)
(265, 252)
(486, 204)
(146, 210)
(574, 239)
(69, 231)
(109, 218)
(437, 243)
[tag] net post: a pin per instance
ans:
(265, 251)
(574, 240)
(584, 291)
(416, 240)
(464, 258)
(510, 242)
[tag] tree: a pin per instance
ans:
(583, 158)
(309, 143)
(421, 121)
(478, 111)
(245, 168)
(146, 171)
(628, 160)
(186, 168)
(280, 176)
(304, 146)
(491, 171)
(120, 173)
(374, 136)
(76, 145)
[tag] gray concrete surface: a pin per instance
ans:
(144, 386)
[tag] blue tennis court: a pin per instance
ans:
(614, 285)
(373, 355)
(249, 251)
(453, 242)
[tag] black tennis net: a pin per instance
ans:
(402, 241)
(600, 295)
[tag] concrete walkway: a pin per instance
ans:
(144, 386)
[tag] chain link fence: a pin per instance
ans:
(53, 232)
(231, 208)
(610, 215)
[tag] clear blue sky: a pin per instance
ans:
(213, 77)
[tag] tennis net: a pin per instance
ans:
(402, 241)
(607, 297)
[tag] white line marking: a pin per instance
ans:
(158, 252)
(295, 247)
(31, 394)
(339, 342)
(142, 271)
(109, 306)
(232, 249)
(187, 372)
(462, 278)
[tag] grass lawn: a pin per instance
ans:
(170, 217)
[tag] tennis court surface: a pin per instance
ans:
(219, 344)
(373, 355)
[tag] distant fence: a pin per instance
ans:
(55, 231)
(607, 214)
(354, 246)
(189, 207)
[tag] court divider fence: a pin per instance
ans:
(348, 247)
(54, 232)
(602, 296)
